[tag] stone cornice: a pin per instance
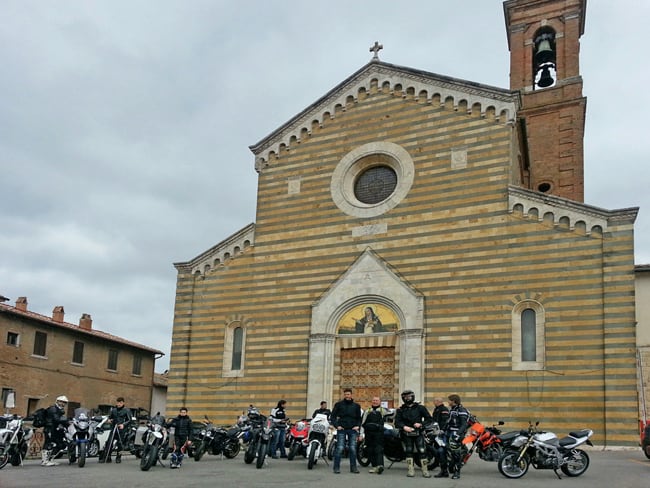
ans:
(562, 207)
(505, 102)
(217, 254)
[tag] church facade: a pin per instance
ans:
(419, 231)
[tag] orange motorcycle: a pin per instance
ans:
(487, 441)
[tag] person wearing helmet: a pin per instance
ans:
(410, 420)
(456, 428)
(55, 420)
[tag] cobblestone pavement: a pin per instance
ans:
(620, 469)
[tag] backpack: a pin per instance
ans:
(38, 418)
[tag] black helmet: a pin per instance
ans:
(408, 396)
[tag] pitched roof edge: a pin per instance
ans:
(4, 308)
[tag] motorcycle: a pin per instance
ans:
(298, 439)
(256, 421)
(316, 439)
(127, 435)
(78, 434)
(14, 440)
(153, 440)
(101, 429)
(645, 440)
(545, 451)
(484, 440)
(258, 447)
(217, 440)
(394, 449)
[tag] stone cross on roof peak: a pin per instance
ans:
(375, 49)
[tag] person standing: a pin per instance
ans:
(346, 418)
(54, 436)
(322, 410)
(456, 428)
(440, 415)
(410, 420)
(182, 425)
(120, 417)
(279, 418)
(372, 423)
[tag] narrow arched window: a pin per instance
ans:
(238, 341)
(528, 335)
(234, 349)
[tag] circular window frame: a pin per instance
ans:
(356, 162)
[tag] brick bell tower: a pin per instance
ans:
(544, 43)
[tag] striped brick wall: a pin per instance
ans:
(452, 239)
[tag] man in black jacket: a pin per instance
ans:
(346, 417)
(120, 417)
(440, 415)
(373, 431)
(182, 425)
(410, 419)
(456, 428)
(54, 436)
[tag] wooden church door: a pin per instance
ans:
(369, 371)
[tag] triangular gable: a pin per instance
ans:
(505, 103)
(368, 277)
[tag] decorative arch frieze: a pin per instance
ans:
(397, 81)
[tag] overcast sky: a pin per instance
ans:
(125, 126)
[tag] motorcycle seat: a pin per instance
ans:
(580, 433)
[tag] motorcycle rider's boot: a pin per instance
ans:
(442, 474)
(411, 467)
(425, 468)
(118, 458)
(45, 459)
(372, 470)
(456, 474)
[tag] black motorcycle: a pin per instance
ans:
(258, 447)
(14, 440)
(394, 449)
(216, 441)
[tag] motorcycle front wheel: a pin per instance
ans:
(82, 455)
(19, 455)
(249, 456)
(331, 448)
(293, 450)
(512, 468)
(149, 457)
(232, 449)
(4, 457)
(261, 454)
(362, 455)
(577, 463)
(200, 451)
(312, 455)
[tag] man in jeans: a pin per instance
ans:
(346, 417)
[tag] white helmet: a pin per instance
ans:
(62, 398)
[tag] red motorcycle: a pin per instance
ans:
(484, 440)
(298, 439)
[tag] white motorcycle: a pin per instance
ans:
(318, 430)
(99, 436)
(14, 440)
(545, 451)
